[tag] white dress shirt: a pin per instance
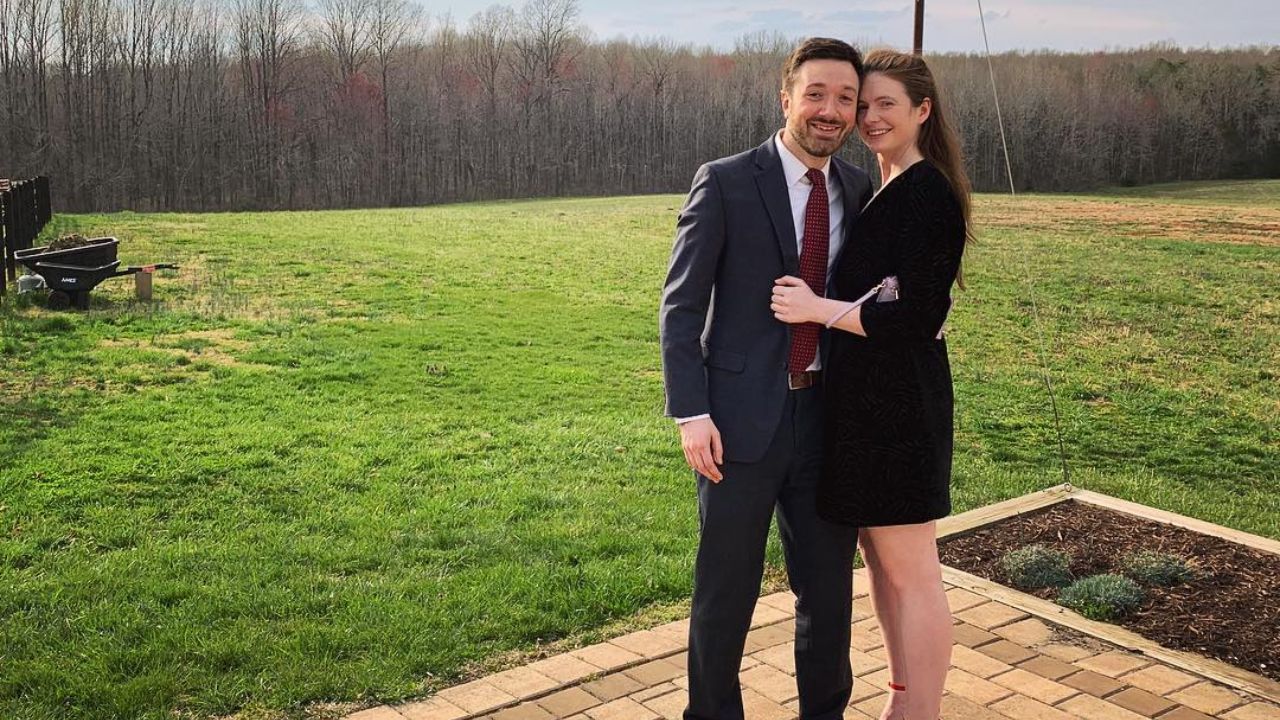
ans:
(798, 188)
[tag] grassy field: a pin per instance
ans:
(352, 455)
(1218, 192)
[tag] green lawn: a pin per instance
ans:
(350, 455)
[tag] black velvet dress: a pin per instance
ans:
(888, 432)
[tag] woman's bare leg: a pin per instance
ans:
(885, 605)
(916, 620)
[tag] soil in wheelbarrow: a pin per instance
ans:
(67, 242)
(1230, 611)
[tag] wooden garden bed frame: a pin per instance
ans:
(1207, 667)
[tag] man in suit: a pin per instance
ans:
(744, 387)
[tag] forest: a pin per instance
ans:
(156, 105)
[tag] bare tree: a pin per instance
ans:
(345, 31)
(169, 104)
(486, 47)
(487, 40)
(548, 39)
(267, 35)
(8, 84)
(657, 60)
(392, 23)
(32, 40)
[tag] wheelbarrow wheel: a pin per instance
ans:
(59, 300)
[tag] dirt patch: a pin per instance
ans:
(1230, 611)
(213, 346)
(1205, 223)
(21, 385)
(13, 389)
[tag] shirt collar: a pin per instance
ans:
(792, 168)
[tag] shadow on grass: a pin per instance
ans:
(27, 412)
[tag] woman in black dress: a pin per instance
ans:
(887, 463)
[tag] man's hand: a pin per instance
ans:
(703, 450)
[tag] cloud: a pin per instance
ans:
(869, 17)
(951, 25)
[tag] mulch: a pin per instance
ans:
(67, 242)
(1230, 611)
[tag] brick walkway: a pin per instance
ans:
(1006, 664)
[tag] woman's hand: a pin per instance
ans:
(793, 302)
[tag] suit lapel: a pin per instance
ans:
(850, 193)
(773, 191)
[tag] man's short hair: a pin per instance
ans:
(819, 48)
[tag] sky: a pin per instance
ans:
(950, 25)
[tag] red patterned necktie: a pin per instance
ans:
(813, 269)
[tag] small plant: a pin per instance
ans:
(1102, 597)
(1155, 568)
(1036, 566)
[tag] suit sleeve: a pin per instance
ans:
(931, 238)
(686, 296)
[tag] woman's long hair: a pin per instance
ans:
(938, 141)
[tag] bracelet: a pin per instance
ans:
(848, 308)
(845, 310)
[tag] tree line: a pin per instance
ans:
(262, 104)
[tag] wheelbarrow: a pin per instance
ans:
(71, 273)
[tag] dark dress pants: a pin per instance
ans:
(734, 525)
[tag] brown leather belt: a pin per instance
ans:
(802, 380)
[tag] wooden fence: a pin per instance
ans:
(24, 211)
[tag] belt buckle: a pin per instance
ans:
(800, 380)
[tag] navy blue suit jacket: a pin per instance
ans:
(723, 352)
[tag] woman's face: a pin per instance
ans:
(887, 121)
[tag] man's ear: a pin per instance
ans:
(785, 98)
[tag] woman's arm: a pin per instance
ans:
(793, 302)
(930, 239)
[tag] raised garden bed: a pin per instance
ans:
(1229, 611)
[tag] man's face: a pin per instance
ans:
(822, 105)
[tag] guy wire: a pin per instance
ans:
(1035, 310)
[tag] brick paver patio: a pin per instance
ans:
(1006, 664)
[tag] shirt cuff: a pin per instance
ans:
(683, 420)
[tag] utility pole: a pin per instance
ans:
(918, 47)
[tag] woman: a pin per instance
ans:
(887, 464)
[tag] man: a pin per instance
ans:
(745, 388)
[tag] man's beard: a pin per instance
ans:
(814, 146)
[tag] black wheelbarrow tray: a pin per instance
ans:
(71, 273)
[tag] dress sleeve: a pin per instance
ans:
(930, 238)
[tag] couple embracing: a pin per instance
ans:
(804, 361)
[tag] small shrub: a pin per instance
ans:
(1036, 566)
(1155, 568)
(1102, 597)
